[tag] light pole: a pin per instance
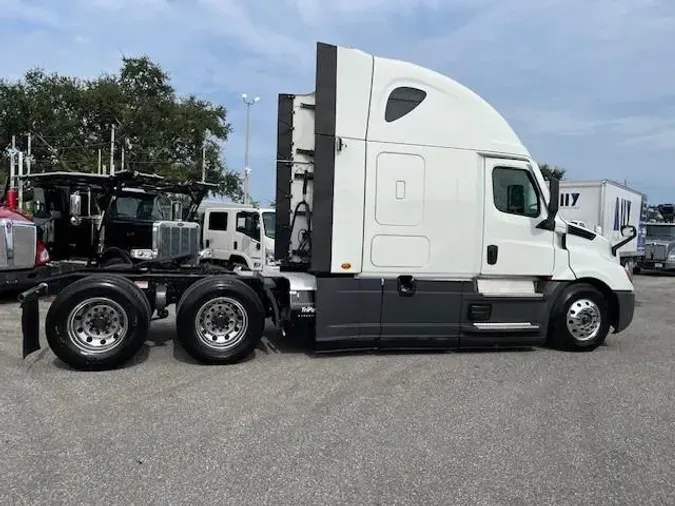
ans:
(247, 168)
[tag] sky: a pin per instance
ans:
(588, 85)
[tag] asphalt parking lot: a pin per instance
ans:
(519, 427)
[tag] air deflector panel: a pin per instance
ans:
(324, 157)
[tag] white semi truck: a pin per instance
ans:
(605, 207)
(408, 215)
(659, 247)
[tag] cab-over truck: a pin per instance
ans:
(408, 215)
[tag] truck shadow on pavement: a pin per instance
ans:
(162, 334)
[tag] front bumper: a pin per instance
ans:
(625, 309)
(665, 265)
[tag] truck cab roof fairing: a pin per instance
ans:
(352, 93)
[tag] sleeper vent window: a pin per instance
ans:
(402, 101)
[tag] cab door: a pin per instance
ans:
(217, 234)
(513, 244)
(248, 240)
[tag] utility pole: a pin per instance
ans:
(99, 161)
(122, 162)
(12, 166)
(20, 179)
(247, 168)
(29, 155)
(203, 164)
(112, 150)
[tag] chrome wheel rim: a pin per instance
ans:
(97, 325)
(584, 320)
(221, 323)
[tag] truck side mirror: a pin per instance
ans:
(554, 202)
(76, 205)
(176, 211)
(628, 231)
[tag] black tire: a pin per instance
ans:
(636, 269)
(219, 270)
(138, 293)
(123, 301)
(579, 302)
(222, 294)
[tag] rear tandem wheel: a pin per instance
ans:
(220, 320)
(98, 322)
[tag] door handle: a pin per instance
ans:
(406, 286)
(235, 244)
(492, 252)
(208, 243)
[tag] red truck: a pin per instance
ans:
(24, 260)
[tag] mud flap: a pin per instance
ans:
(30, 325)
(30, 318)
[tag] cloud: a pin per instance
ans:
(586, 83)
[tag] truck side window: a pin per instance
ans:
(402, 101)
(515, 192)
(218, 221)
(249, 224)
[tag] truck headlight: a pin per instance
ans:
(143, 254)
(671, 257)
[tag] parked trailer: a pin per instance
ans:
(605, 207)
(409, 215)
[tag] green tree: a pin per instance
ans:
(548, 172)
(71, 119)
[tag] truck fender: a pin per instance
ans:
(114, 252)
(234, 259)
(617, 280)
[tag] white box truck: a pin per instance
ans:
(605, 207)
(238, 236)
(409, 215)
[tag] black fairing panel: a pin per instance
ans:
(347, 313)
(534, 310)
(324, 157)
(374, 313)
(428, 317)
(284, 174)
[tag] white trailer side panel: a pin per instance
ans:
(622, 207)
(604, 207)
(581, 202)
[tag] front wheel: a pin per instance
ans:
(580, 319)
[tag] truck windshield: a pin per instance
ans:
(269, 222)
(142, 206)
(661, 232)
